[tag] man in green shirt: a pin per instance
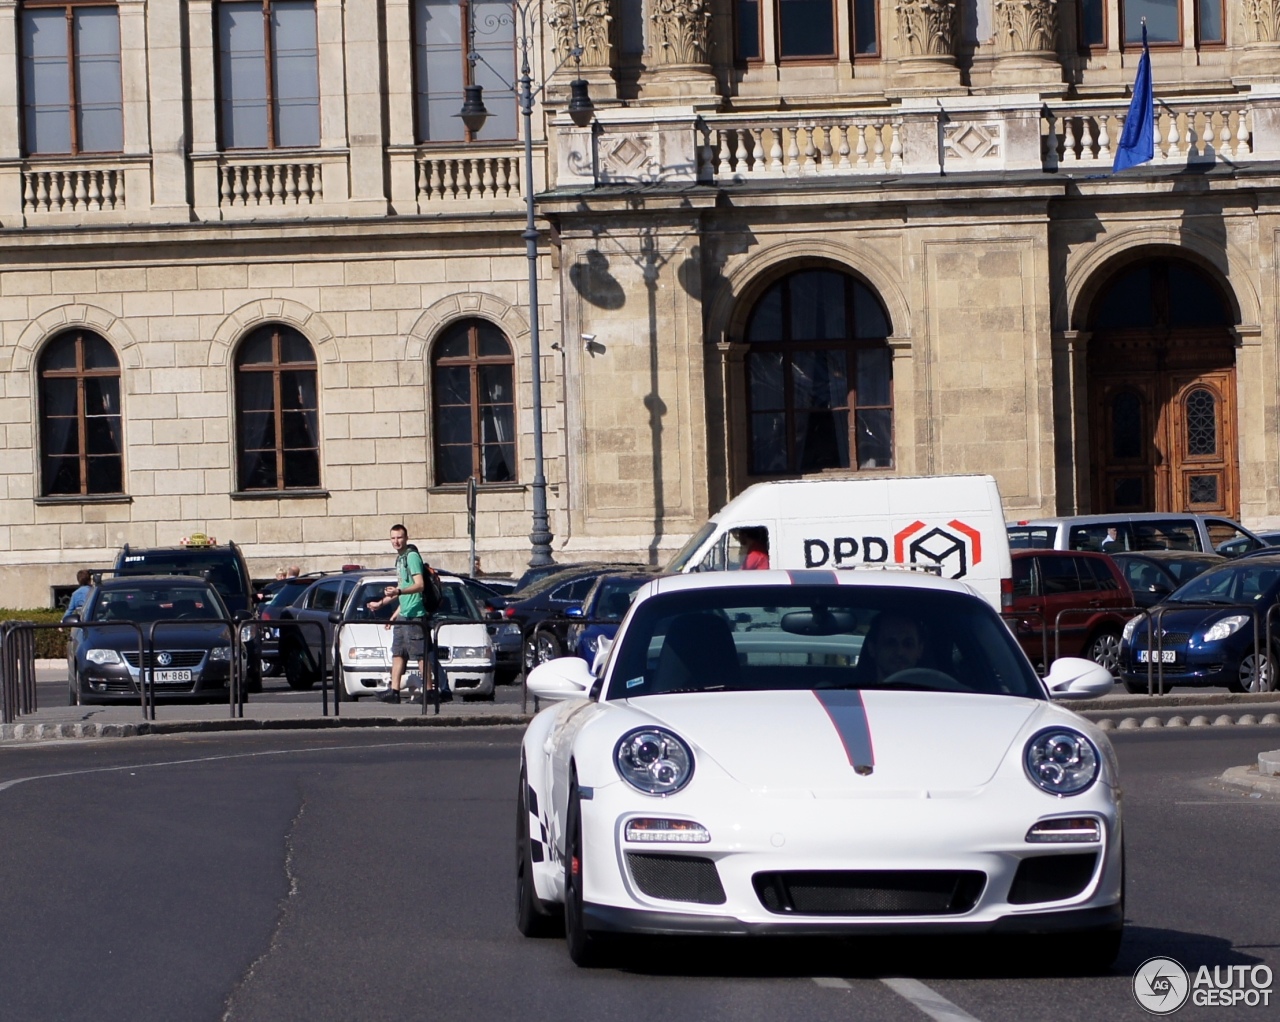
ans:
(408, 642)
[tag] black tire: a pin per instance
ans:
(295, 672)
(73, 689)
(1251, 678)
(1104, 649)
(533, 916)
(549, 648)
(586, 949)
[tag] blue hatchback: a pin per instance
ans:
(605, 604)
(1220, 628)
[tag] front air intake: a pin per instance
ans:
(1052, 877)
(676, 877)
(870, 892)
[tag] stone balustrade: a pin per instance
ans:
(1085, 136)
(72, 189)
(737, 149)
(253, 183)
(453, 177)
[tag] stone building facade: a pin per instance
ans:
(257, 282)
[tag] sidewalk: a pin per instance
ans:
(277, 708)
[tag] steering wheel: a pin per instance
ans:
(924, 677)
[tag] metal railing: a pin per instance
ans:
(18, 694)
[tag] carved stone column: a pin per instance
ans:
(927, 34)
(678, 56)
(1026, 43)
(583, 23)
(1260, 56)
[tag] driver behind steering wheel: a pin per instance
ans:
(893, 644)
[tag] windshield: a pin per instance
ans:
(223, 568)
(1238, 584)
(288, 592)
(455, 602)
(1032, 537)
(1185, 570)
(156, 604)
(614, 598)
(678, 562)
(766, 638)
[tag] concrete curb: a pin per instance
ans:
(1185, 698)
(1200, 720)
(1247, 778)
(56, 732)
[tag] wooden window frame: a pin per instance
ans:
(854, 55)
(468, 75)
(267, 39)
(473, 361)
(1128, 47)
(1092, 48)
(1213, 44)
(814, 58)
(738, 59)
(276, 368)
(80, 373)
(72, 91)
(851, 346)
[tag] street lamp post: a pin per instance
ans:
(580, 110)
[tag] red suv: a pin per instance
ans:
(1090, 586)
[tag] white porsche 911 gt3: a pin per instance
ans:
(818, 753)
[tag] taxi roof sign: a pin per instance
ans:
(198, 539)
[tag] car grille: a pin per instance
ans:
(1052, 877)
(180, 658)
(676, 877)
(1169, 640)
(870, 892)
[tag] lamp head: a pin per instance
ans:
(473, 112)
(580, 108)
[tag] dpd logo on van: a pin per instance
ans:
(951, 550)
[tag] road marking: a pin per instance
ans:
(929, 1001)
(6, 785)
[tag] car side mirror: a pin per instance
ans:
(1159, 588)
(566, 677)
(73, 616)
(241, 615)
(1076, 678)
(335, 617)
(574, 611)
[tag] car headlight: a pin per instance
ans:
(1061, 761)
(592, 641)
(1130, 627)
(653, 760)
(220, 653)
(1227, 626)
(246, 633)
(102, 656)
(511, 629)
(470, 653)
(367, 653)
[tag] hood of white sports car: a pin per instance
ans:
(844, 743)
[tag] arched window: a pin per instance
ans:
(820, 376)
(474, 404)
(1160, 293)
(277, 416)
(80, 435)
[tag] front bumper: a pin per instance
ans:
(612, 919)
(108, 683)
(976, 832)
(1214, 666)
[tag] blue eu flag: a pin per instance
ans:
(1137, 142)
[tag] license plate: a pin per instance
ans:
(170, 677)
(1167, 656)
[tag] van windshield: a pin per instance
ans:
(677, 563)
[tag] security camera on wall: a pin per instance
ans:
(590, 346)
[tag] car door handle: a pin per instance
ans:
(547, 746)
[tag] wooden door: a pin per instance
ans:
(1202, 441)
(1127, 455)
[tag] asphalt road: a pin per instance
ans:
(335, 876)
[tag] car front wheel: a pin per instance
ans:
(1105, 650)
(1257, 673)
(585, 948)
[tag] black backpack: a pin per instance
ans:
(432, 591)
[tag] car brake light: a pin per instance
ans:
(509, 612)
(1006, 594)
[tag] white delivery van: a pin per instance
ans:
(953, 525)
